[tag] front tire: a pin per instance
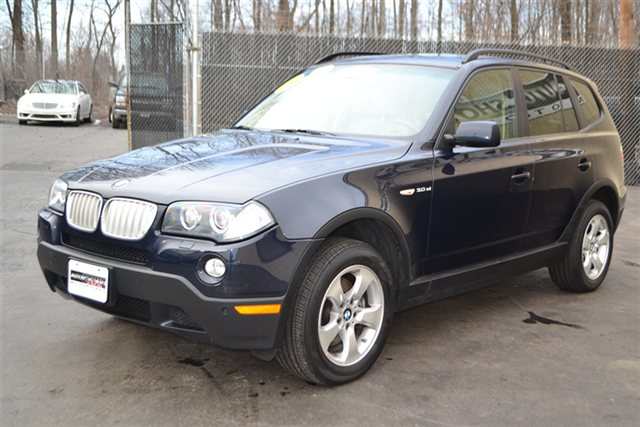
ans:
(585, 265)
(78, 118)
(22, 122)
(89, 119)
(115, 121)
(341, 316)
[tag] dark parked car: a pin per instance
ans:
(118, 102)
(359, 188)
(155, 102)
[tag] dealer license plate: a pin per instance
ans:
(88, 281)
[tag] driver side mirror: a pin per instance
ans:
(476, 134)
(26, 91)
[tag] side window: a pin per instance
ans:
(568, 112)
(543, 105)
(587, 105)
(488, 96)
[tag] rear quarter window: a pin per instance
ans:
(587, 104)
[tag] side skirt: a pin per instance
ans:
(449, 283)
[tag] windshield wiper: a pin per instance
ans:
(307, 131)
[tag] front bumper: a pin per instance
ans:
(120, 113)
(161, 295)
(44, 115)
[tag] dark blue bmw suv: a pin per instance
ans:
(365, 185)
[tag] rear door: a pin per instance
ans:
(563, 156)
(481, 196)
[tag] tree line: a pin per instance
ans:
(593, 22)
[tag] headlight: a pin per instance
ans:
(120, 100)
(67, 105)
(58, 195)
(217, 221)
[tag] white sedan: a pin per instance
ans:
(55, 101)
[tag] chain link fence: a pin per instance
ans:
(239, 69)
(157, 85)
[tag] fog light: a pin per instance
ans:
(215, 268)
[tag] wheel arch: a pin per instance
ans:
(604, 191)
(379, 230)
(369, 225)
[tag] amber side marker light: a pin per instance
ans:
(258, 309)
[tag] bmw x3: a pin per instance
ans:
(363, 186)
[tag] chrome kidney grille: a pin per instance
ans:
(127, 219)
(83, 210)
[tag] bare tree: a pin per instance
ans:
(439, 39)
(565, 21)
(401, 18)
(515, 20)
(467, 12)
(38, 40)
(414, 20)
(18, 40)
(626, 24)
(54, 40)
(257, 14)
(67, 40)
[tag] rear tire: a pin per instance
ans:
(341, 316)
(585, 265)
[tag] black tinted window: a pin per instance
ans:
(586, 102)
(489, 96)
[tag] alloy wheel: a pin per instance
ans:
(595, 247)
(351, 315)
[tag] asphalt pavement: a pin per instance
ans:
(520, 352)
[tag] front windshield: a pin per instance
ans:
(49, 86)
(386, 100)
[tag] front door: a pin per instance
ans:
(481, 196)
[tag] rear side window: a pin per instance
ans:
(587, 105)
(549, 106)
(488, 96)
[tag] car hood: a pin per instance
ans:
(230, 166)
(48, 97)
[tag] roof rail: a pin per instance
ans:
(339, 54)
(474, 54)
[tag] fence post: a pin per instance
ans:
(195, 71)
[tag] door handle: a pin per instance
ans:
(520, 176)
(584, 165)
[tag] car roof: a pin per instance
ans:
(57, 81)
(445, 60)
